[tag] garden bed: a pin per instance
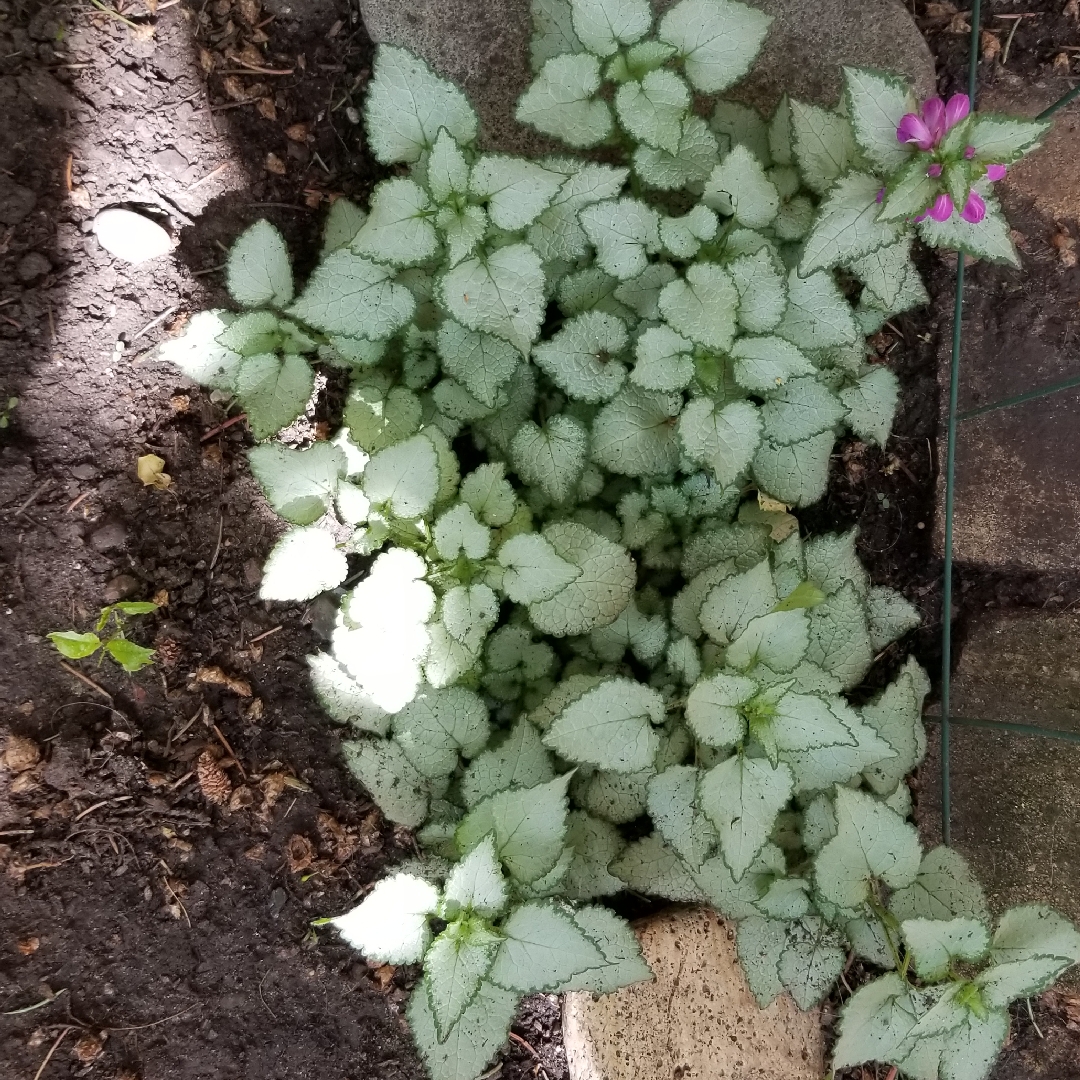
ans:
(175, 930)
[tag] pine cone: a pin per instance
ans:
(212, 779)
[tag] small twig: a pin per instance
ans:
(154, 322)
(222, 427)
(33, 497)
(220, 531)
(232, 753)
(59, 1039)
(164, 1020)
(67, 172)
(262, 999)
(521, 1042)
(179, 902)
(41, 1004)
(99, 805)
(87, 680)
(1031, 1017)
(183, 779)
(127, 22)
(1009, 41)
(265, 634)
(251, 69)
(210, 176)
(208, 270)
(15, 832)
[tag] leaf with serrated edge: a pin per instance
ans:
(762, 291)
(398, 229)
(400, 792)
(611, 726)
(482, 362)
(390, 926)
(299, 484)
(847, 225)
(560, 101)
(404, 476)
(603, 25)
(988, 239)
(557, 233)
(678, 817)
(798, 410)
(258, 272)
(529, 826)
(741, 797)
(761, 943)
(595, 843)
(580, 358)
(617, 942)
(634, 434)
(717, 40)
(501, 294)
(698, 153)
(476, 884)
(517, 191)
(534, 571)
(551, 457)
(702, 306)
(274, 390)
(877, 1020)
(353, 296)
(825, 146)
(876, 104)
(474, 1039)
(597, 595)
(302, 564)
(624, 233)
(739, 186)
(817, 316)
(712, 708)
(649, 866)
(871, 404)
(871, 842)
(935, 944)
(664, 360)
(454, 966)
(652, 110)
(408, 104)
(724, 439)
(438, 725)
(764, 363)
(542, 948)
(343, 699)
(778, 640)
(731, 605)
(796, 474)
(811, 961)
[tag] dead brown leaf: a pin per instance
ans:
(180, 403)
(990, 44)
(214, 676)
(207, 60)
(265, 105)
(20, 754)
(88, 1048)
(275, 165)
(299, 853)
(1072, 10)
(214, 783)
(1066, 1005)
(1062, 63)
(272, 784)
(298, 132)
(254, 712)
(958, 25)
(241, 799)
(247, 10)
(234, 89)
(151, 471)
(161, 598)
(1066, 248)
(28, 945)
(384, 975)
(24, 784)
(943, 10)
(343, 841)
(256, 853)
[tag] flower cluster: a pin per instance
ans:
(928, 131)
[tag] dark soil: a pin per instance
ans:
(170, 932)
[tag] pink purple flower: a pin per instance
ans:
(935, 170)
(934, 120)
(995, 173)
(940, 209)
(974, 209)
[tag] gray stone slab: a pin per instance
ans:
(482, 45)
(697, 1020)
(1015, 798)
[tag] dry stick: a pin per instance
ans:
(87, 680)
(231, 751)
(33, 497)
(37, 1005)
(163, 1020)
(228, 423)
(521, 1042)
(154, 322)
(48, 1056)
(99, 805)
(265, 634)
(251, 69)
(209, 176)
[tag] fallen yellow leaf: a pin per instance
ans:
(151, 470)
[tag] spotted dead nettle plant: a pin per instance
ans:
(613, 616)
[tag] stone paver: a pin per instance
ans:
(1015, 798)
(483, 46)
(696, 1021)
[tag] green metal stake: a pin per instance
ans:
(950, 482)
(1072, 95)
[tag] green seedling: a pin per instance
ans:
(131, 657)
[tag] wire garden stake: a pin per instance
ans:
(954, 417)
